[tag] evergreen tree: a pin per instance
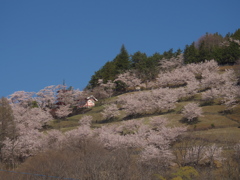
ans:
(191, 54)
(138, 60)
(7, 127)
(178, 52)
(107, 72)
(168, 54)
(231, 53)
(122, 62)
(236, 34)
(111, 69)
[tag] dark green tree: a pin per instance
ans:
(7, 126)
(138, 60)
(107, 72)
(236, 34)
(111, 69)
(122, 61)
(205, 53)
(178, 52)
(191, 54)
(230, 54)
(168, 54)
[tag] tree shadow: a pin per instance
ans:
(129, 117)
(108, 121)
(206, 103)
(186, 121)
(226, 111)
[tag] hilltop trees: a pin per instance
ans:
(111, 69)
(141, 67)
(122, 62)
(224, 50)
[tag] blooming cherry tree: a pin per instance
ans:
(130, 79)
(63, 111)
(110, 111)
(192, 111)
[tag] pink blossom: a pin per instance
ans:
(191, 111)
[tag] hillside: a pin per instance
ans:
(214, 120)
(223, 49)
(218, 128)
(184, 124)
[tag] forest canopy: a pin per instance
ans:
(223, 49)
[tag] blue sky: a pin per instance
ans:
(43, 42)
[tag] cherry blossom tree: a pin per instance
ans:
(86, 121)
(22, 98)
(198, 68)
(110, 111)
(54, 139)
(172, 63)
(210, 95)
(153, 140)
(191, 111)
(27, 140)
(108, 87)
(175, 78)
(63, 111)
(81, 135)
(47, 97)
(149, 102)
(130, 79)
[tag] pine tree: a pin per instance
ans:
(138, 60)
(231, 53)
(190, 54)
(122, 61)
(236, 34)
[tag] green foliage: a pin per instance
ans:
(231, 53)
(236, 34)
(213, 46)
(159, 177)
(7, 126)
(122, 62)
(185, 173)
(34, 104)
(177, 178)
(210, 46)
(111, 69)
(120, 86)
(138, 60)
(145, 67)
(107, 72)
(190, 54)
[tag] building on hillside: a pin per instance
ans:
(88, 102)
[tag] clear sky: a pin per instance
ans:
(43, 42)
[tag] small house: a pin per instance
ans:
(89, 102)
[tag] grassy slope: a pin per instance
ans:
(214, 126)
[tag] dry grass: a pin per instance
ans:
(220, 135)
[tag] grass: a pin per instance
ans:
(214, 126)
(213, 118)
(219, 135)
